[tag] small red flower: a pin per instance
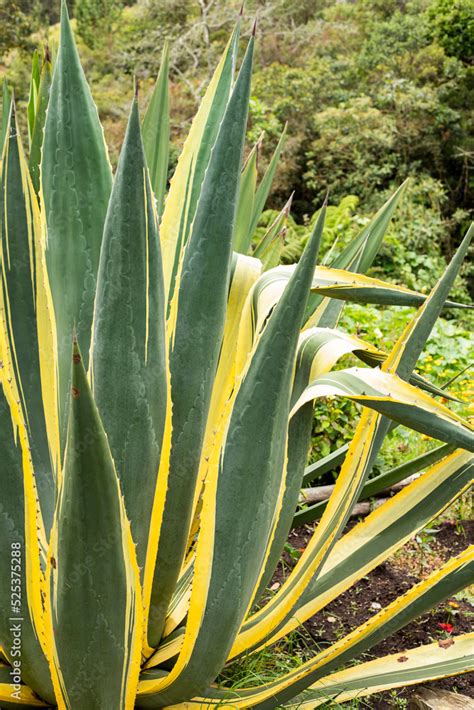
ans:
(449, 628)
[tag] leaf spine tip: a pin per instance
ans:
(287, 207)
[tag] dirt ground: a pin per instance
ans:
(383, 585)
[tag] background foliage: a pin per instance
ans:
(373, 92)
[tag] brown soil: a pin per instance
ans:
(383, 585)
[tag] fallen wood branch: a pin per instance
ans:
(367, 506)
(318, 494)
(434, 699)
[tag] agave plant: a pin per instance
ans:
(155, 417)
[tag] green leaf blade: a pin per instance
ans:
(248, 183)
(255, 441)
(93, 589)
(19, 246)
(393, 397)
(265, 186)
(186, 183)
(38, 127)
(128, 348)
(196, 341)
(33, 97)
(76, 182)
(16, 547)
(6, 104)
(156, 132)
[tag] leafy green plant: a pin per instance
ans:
(452, 25)
(156, 406)
(411, 254)
(95, 19)
(348, 139)
(17, 24)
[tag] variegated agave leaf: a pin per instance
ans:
(156, 403)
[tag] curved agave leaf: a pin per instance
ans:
(440, 585)
(384, 531)
(34, 91)
(76, 181)
(25, 319)
(128, 354)
(20, 572)
(6, 105)
(368, 438)
(339, 284)
(156, 132)
(39, 121)
(357, 256)
(93, 599)
(376, 484)
(378, 536)
(357, 288)
(192, 164)
(196, 331)
(446, 581)
(263, 190)
(320, 349)
(421, 664)
(336, 284)
(334, 459)
(270, 246)
(222, 590)
(388, 394)
(248, 184)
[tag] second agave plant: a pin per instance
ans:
(156, 403)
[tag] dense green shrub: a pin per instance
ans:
(452, 25)
(95, 19)
(373, 91)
